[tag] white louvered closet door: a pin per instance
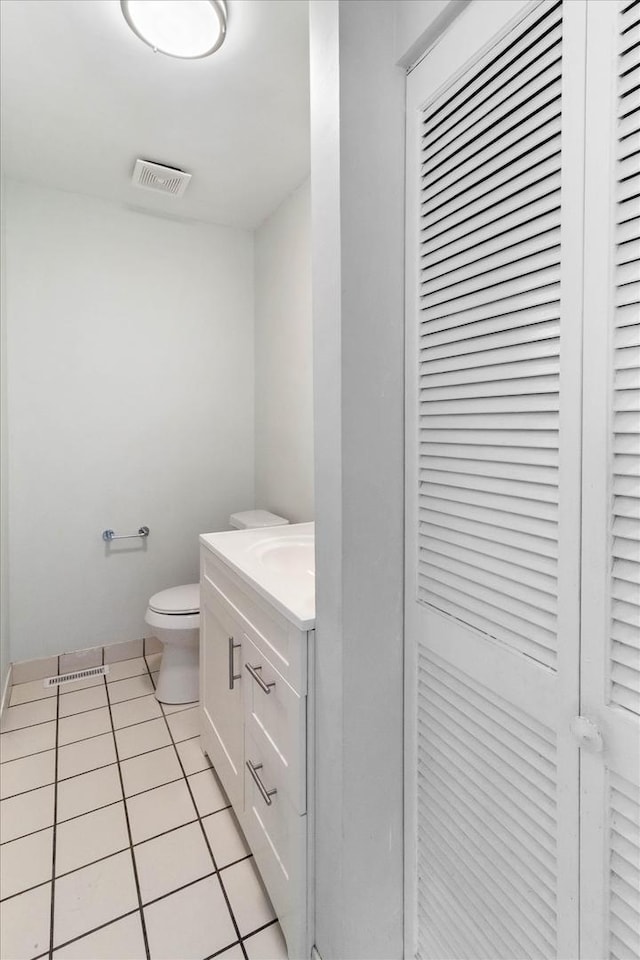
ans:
(610, 774)
(495, 161)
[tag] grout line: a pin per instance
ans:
(79, 713)
(86, 740)
(34, 754)
(103, 806)
(28, 726)
(206, 838)
(236, 943)
(133, 859)
(114, 853)
(184, 886)
(54, 839)
(21, 793)
(240, 943)
(265, 926)
(87, 933)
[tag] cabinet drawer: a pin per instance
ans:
(273, 634)
(277, 836)
(277, 721)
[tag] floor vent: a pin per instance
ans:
(76, 675)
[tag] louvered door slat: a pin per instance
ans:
(505, 75)
(625, 592)
(496, 234)
(524, 153)
(513, 264)
(515, 810)
(495, 117)
(533, 238)
(495, 179)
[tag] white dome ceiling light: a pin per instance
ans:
(189, 29)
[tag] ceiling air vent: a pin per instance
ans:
(162, 179)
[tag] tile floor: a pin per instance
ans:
(118, 841)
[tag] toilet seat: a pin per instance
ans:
(177, 601)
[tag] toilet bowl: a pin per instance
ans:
(174, 615)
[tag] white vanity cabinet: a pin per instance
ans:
(254, 727)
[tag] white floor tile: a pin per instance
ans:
(226, 838)
(34, 690)
(87, 898)
(124, 669)
(269, 944)
(84, 725)
(185, 724)
(79, 701)
(21, 743)
(87, 838)
(25, 863)
(249, 901)
(135, 711)
(28, 714)
(87, 792)
(133, 741)
(171, 861)
(190, 924)
(86, 755)
(150, 770)
(121, 690)
(122, 940)
(159, 810)
(25, 813)
(26, 924)
(192, 756)
(16, 776)
(207, 792)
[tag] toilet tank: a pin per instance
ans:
(248, 519)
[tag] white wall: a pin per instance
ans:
(419, 24)
(131, 401)
(284, 360)
(357, 177)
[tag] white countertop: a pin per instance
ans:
(278, 562)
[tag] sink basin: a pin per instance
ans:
(277, 562)
(287, 555)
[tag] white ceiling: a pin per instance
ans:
(82, 97)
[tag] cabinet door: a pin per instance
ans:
(610, 683)
(221, 662)
(495, 155)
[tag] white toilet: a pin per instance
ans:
(174, 615)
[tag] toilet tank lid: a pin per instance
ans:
(255, 518)
(184, 599)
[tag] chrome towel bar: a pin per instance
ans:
(109, 535)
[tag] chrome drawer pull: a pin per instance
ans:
(266, 794)
(258, 679)
(232, 676)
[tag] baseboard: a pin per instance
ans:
(5, 691)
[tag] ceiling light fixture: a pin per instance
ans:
(188, 29)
